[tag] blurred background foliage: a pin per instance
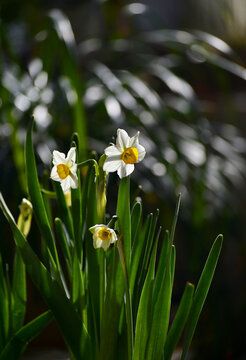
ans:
(173, 70)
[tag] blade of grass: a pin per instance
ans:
(124, 217)
(160, 319)
(4, 309)
(129, 323)
(179, 321)
(76, 206)
(161, 266)
(78, 340)
(201, 293)
(136, 215)
(63, 242)
(18, 304)
(143, 321)
(112, 307)
(137, 250)
(19, 341)
(64, 211)
(36, 196)
(173, 261)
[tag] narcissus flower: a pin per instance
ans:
(122, 156)
(25, 217)
(64, 169)
(103, 236)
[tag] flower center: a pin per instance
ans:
(130, 155)
(104, 234)
(63, 171)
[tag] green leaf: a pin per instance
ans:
(148, 245)
(64, 211)
(36, 196)
(179, 321)
(144, 313)
(77, 207)
(92, 255)
(175, 219)
(201, 293)
(137, 251)
(161, 266)
(173, 261)
(4, 307)
(124, 217)
(19, 341)
(112, 308)
(136, 215)
(161, 313)
(67, 318)
(63, 242)
(18, 303)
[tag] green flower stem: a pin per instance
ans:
(87, 163)
(129, 322)
(102, 287)
(50, 194)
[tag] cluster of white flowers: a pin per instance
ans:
(121, 157)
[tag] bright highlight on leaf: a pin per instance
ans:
(103, 236)
(64, 169)
(123, 155)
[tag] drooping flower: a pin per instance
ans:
(25, 217)
(103, 236)
(64, 169)
(122, 156)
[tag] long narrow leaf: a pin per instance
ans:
(201, 293)
(160, 320)
(124, 216)
(179, 321)
(143, 321)
(4, 309)
(19, 341)
(76, 340)
(18, 306)
(36, 195)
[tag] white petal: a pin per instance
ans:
(113, 238)
(125, 169)
(129, 169)
(112, 151)
(97, 243)
(58, 157)
(54, 175)
(71, 155)
(73, 169)
(73, 181)
(134, 140)
(105, 244)
(66, 184)
(95, 227)
(112, 163)
(122, 140)
(141, 152)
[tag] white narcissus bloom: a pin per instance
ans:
(103, 236)
(122, 156)
(64, 169)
